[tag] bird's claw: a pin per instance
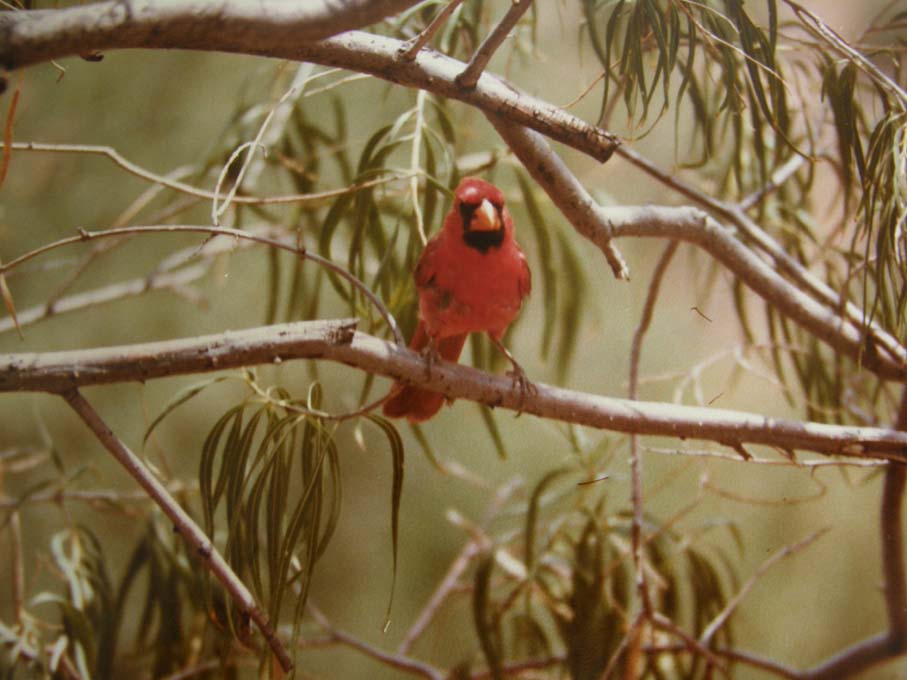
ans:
(518, 375)
(431, 356)
(523, 384)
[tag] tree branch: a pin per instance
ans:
(636, 485)
(321, 197)
(470, 75)
(565, 191)
(337, 340)
(354, 50)
(187, 528)
(399, 661)
(411, 47)
(172, 281)
(475, 545)
(33, 36)
(697, 227)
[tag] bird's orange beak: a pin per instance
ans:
(485, 218)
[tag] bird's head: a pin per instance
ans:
(483, 218)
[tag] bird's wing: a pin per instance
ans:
(427, 265)
(524, 283)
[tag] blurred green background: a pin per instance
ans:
(163, 110)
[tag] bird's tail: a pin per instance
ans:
(415, 403)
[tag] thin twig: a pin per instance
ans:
(89, 496)
(636, 493)
(173, 281)
(6, 154)
(771, 462)
(473, 71)
(778, 178)
(398, 661)
(448, 584)
(645, 320)
(279, 112)
(664, 623)
(84, 235)
(415, 163)
(201, 545)
(17, 570)
(278, 119)
(632, 639)
(476, 545)
(171, 274)
(769, 665)
(410, 48)
(722, 617)
(166, 181)
(784, 501)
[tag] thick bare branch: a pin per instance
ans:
(29, 37)
(59, 371)
(337, 341)
(354, 50)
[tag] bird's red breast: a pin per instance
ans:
(471, 277)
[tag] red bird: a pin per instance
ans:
(472, 278)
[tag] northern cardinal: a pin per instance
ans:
(472, 278)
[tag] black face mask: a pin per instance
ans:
(480, 240)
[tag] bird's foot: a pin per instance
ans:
(518, 375)
(523, 384)
(431, 356)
